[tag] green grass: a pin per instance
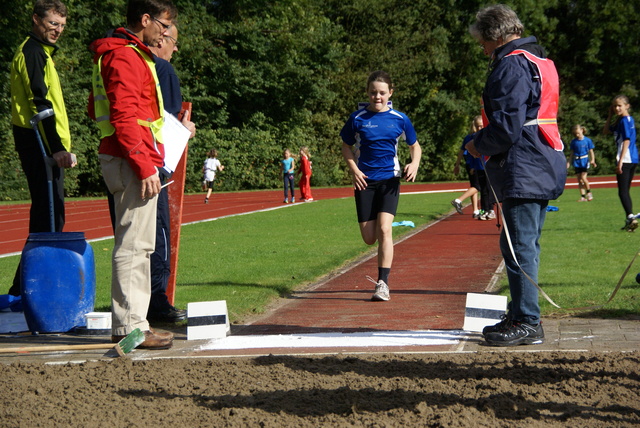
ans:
(584, 254)
(250, 260)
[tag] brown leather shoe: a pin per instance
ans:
(152, 340)
(163, 334)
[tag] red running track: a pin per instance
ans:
(92, 216)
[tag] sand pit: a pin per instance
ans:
(532, 389)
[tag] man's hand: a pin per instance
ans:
(65, 159)
(186, 121)
(150, 186)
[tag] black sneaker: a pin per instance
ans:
(173, 315)
(457, 205)
(502, 325)
(518, 333)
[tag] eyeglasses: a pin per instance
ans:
(164, 26)
(175, 42)
(55, 25)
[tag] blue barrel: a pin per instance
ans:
(58, 281)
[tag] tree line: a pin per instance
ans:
(268, 75)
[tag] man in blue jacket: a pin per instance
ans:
(159, 307)
(527, 167)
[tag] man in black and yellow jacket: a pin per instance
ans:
(35, 87)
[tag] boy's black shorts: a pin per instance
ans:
(379, 196)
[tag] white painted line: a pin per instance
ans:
(239, 214)
(339, 340)
(423, 192)
(591, 183)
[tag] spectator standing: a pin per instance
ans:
(35, 87)
(126, 103)
(624, 132)
(527, 166)
(160, 309)
(305, 174)
(288, 169)
(581, 157)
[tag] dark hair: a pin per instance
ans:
(213, 153)
(43, 6)
(624, 98)
(137, 8)
(495, 22)
(379, 76)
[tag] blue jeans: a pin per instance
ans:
(287, 179)
(524, 219)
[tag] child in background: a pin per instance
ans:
(582, 156)
(305, 175)
(211, 165)
(376, 171)
(288, 168)
(487, 199)
(474, 188)
(624, 132)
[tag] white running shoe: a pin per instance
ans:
(382, 291)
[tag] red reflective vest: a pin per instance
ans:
(549, 99)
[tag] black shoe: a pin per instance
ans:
(518, 333)
(502, 325)
(173, 315)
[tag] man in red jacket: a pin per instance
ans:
(126, 103)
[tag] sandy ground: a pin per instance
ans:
(441, 390)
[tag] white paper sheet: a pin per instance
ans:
(175, 136)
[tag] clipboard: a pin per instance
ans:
(175, 137)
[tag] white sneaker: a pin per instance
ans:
(382, 292)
